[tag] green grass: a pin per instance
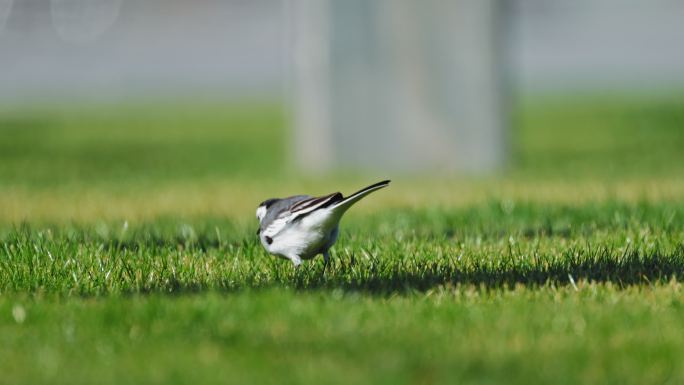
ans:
(139, 143)
(128, 254)
(491, 245)
(607, 137)
(598, 334)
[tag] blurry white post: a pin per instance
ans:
(310, 49)
(398, 85)
(5, 9)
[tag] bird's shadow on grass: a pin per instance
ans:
(387, 276)
(386, 279)
(381, 277)
(367, 273)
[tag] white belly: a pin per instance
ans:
(307, 237)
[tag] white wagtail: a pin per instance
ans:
(302, 226)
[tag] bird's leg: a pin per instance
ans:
(326, 260)
(296, 261)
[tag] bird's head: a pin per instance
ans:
(263, 208)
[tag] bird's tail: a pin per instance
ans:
(347, 202)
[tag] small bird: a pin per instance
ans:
(301, 226)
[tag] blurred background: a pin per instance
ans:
(120, 93)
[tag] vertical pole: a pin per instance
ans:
(5, 9)
(399, 85)
(310, 27)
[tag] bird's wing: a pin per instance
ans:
(297, 209)
(278, 214)
(279, 208)
(306, 206)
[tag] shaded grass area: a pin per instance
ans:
(610, 137)
(145, 143)
(133, 145)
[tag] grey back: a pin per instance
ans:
(278, 207)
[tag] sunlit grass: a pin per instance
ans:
(494, 245)
(236, 198)
(597, 333)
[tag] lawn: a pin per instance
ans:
(128, 253)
